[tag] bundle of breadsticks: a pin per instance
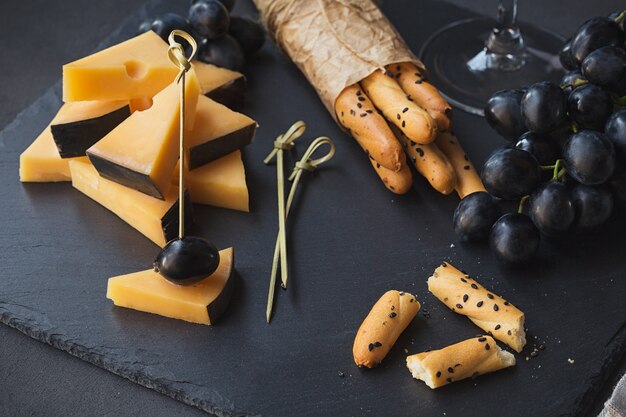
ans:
(375, 88)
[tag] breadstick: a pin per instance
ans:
(422, 93)
(387, 96)
(467, 359)
(467, 179)
(356, 113)
(487, 310)
(397, 182)
(431, 163)
(382, 327)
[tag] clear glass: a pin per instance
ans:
(471, 59)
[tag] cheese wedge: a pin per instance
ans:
(202, 303)
(138, 67)
(78, 125)
(41, 161)
(156, 219)
(217, 131)
(220, 84)
(221, 183)
(141, 152)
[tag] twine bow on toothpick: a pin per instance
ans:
(176, 54)
(306, 163)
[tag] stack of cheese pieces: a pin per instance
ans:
(116, 139)
(116, 136)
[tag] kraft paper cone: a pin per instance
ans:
(335, 43)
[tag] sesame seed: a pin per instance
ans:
(465, 297)
(359, 105)
(438, 374)
(403, 123)
(449, 379)
(495, 307)
(490, 296)
(444, 265)
(479, 304)
(352, 112)
(474, 286)
(368, 111)
(397, 67)
(363, 114)
(508, 332)
(361, 98)
(392, 314)
(498, 327)
(506, 303)
(463, 280)
(487, 346)
(404, 110)
(482, 339)
(459, 306)
(377, 165)
(402, 293)
(466, 167)
(377, 344)
(447, 111)
(370, 347)
(451, 370)
(342, 113)
(419, 150)
(393, 308)
(398, 116)
(358, 93)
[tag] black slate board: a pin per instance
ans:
(60, 247)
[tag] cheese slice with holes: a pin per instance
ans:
(138, 67)
(41, 161)
(201, 303)
(217, 131)
(142, 151)
(154, 218)
(220, 183)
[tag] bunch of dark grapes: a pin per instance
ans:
(223, 40)
(566, 162)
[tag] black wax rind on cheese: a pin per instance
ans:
(125, 176)
(219, 147)
(169, 221)
(74, 138)
(230, 94)
(220, 304)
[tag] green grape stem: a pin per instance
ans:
(522, 202)
(558, 169)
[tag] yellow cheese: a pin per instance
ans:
(214, 78)
(138, 67)
(142, 151)
(220, 183)
(41, 161)
(154, 218)
(217, 131)
(201, 303)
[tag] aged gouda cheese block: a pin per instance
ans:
(41, 161)
(154, 218)
(202, 303)
(80, 124)
(138, 67)
(220, 183)
(142, 151)
(217, 131)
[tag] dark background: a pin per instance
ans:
(37, 38)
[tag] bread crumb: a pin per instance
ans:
(571, 361)
(406, 351)
(451, 245)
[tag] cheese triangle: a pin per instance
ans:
(220, 183)
(217, 131)
(154, 218)
(142, 151)
(138, 67)
(201, 303)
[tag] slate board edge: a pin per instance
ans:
(131, 371)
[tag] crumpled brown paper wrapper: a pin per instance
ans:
(335, 43)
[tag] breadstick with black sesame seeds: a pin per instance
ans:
(468, 181)
(397, 182)
(422, 93)
(431, 163)
(489, 311)
(356, 113)
(386, 94)
(387, 319)
(467, 359)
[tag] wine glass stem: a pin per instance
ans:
(504, 48)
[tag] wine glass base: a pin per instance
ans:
(448, 51)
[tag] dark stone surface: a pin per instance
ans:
(60, 247)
